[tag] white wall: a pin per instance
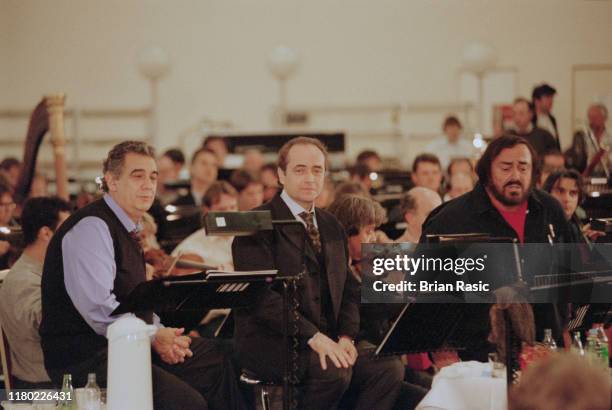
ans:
(352, 51)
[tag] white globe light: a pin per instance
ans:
(153, 63)
(478, 57)
(282, 62)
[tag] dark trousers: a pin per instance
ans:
(376, 382)
(318, 389)
(206, 380)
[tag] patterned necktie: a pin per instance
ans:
(312, 230)
(135, 235)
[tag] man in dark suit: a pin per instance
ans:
(327, 317)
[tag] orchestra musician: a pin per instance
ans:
(376, 382)
(590, 151)
(328, 295)
(93, 261)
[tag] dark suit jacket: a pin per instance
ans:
(258, 329)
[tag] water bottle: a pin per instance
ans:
(603, 341)
(548, 341)
(593, 348)
(577, 345)
(92, 393)
(67, 399)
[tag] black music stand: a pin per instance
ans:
(195, 292)
(248, 223)
(424, 327)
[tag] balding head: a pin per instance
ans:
(416, 205)
(598, 115)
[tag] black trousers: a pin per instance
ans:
(207, 380)
(318, 389)
(376, 382)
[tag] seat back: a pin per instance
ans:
(5, 359)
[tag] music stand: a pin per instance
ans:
(195, 292)
(245, 224)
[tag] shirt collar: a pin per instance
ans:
(127, 223)
(295, 208)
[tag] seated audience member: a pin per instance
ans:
(92, 263)
(460, 165)
(450, 145)
(218, 146)
(10, 168)
(371, 159)
(327, 195)
(551, 161)
(214, 250)
(360, 173)
(427, 172)
(250, 189)
(415, 206)
(458, 184)
(170, 165)
(39, 186)
(7, 207)
(590, 152)
(564, 382)
(375, 383)
(204, 170)
(20, 306)
(253, 161)
(522, 115)
(269, 178)
(566, 186)
(350, 187)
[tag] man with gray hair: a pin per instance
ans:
(590, 152)
(93, 262)
(415, 206)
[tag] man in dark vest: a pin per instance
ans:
(92, 263)
(327, 319)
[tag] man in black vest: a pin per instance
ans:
(92, 263)
(328, 297)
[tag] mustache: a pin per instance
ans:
(515, 182)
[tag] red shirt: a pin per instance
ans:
(516, 219)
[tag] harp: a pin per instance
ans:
(48, 116)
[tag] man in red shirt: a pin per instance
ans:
(505, 203)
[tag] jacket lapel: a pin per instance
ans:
(293, 234)
(334, 253)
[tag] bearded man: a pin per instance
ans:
(505, 203)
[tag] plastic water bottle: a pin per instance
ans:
(603, 342)
(67, 401)
(594, 348)
(548, 341)
(577, 345)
